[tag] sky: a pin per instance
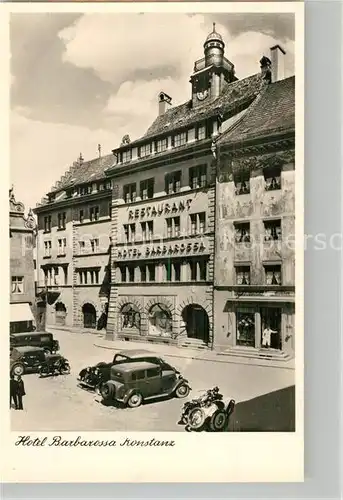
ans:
(79, 80)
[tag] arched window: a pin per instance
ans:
(60, 313)
(130, 317)
(89, 316)
(160, 321)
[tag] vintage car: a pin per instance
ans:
(93, 376)
(44, 340)
(25, 358)
(135, 382)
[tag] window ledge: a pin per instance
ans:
(61, 229)
(47, 257)
(61, 254)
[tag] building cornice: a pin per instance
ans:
(175, 155)
(69, 202)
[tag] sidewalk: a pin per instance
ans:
(184, 352)
(98, 340)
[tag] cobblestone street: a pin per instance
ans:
(264, 395)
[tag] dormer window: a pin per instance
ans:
(126, 156)
(201, 132)
(145, 150)
(161, 145)
(180, 139)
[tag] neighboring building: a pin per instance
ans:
(22, 272)
(73, 246)
(254, 301)
(152, 261)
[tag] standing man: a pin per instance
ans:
(266, 336)
(13, 391)
(20, 392)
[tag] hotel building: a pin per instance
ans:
(160, 267)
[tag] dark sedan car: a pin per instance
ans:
(92, 377)
(26, 358)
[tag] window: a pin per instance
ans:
(242, 183)
(131, 269)
(173, 227)
(151, 272)
(47, 224)
(173, 271)
(197, 223)
(242, 275)
(198, 176)
(147, 230)
(130, 317)
(272, 177)
(84, 190)
(153, 372)
(161, 145)
(201, 132)
(242, 232)
(17, 284)
(147, 189)
(122, 270)
(130, 232)
(82, 246)
(138, 375)
(130, 193)
(83, 277)
(180, 139)
(94, 245)
(65, 270)
(173, 182)
(160, 321)
(143, 272)
(62, 244)
(62, 220)
(245, 328)
(47, 248)
(273, 274)
(110, 209)
(94, 213)
(94, 276)
(198, 269)
(126, 156)
(272, 230)
(144, 150)
(81, 216)
(108, 185)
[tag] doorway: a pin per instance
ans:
(197, 323)
(89, 316)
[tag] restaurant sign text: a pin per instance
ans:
(178, 249)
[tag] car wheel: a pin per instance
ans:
(107, 392)
(18, 369)
(218, 421)
(65, 369)
(47, 350)
(135, 400)
(196, 418)
(182, 391)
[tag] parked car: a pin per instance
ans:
(26, 358)
(44, 340)
(54, 364)
(135, 382)
(93, 376)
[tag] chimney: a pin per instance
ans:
(163, 100)
(277, 56)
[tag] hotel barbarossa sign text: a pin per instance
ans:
(181, 249)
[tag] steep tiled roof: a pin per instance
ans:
(272, 112)
(236, 95)
(88, 171)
